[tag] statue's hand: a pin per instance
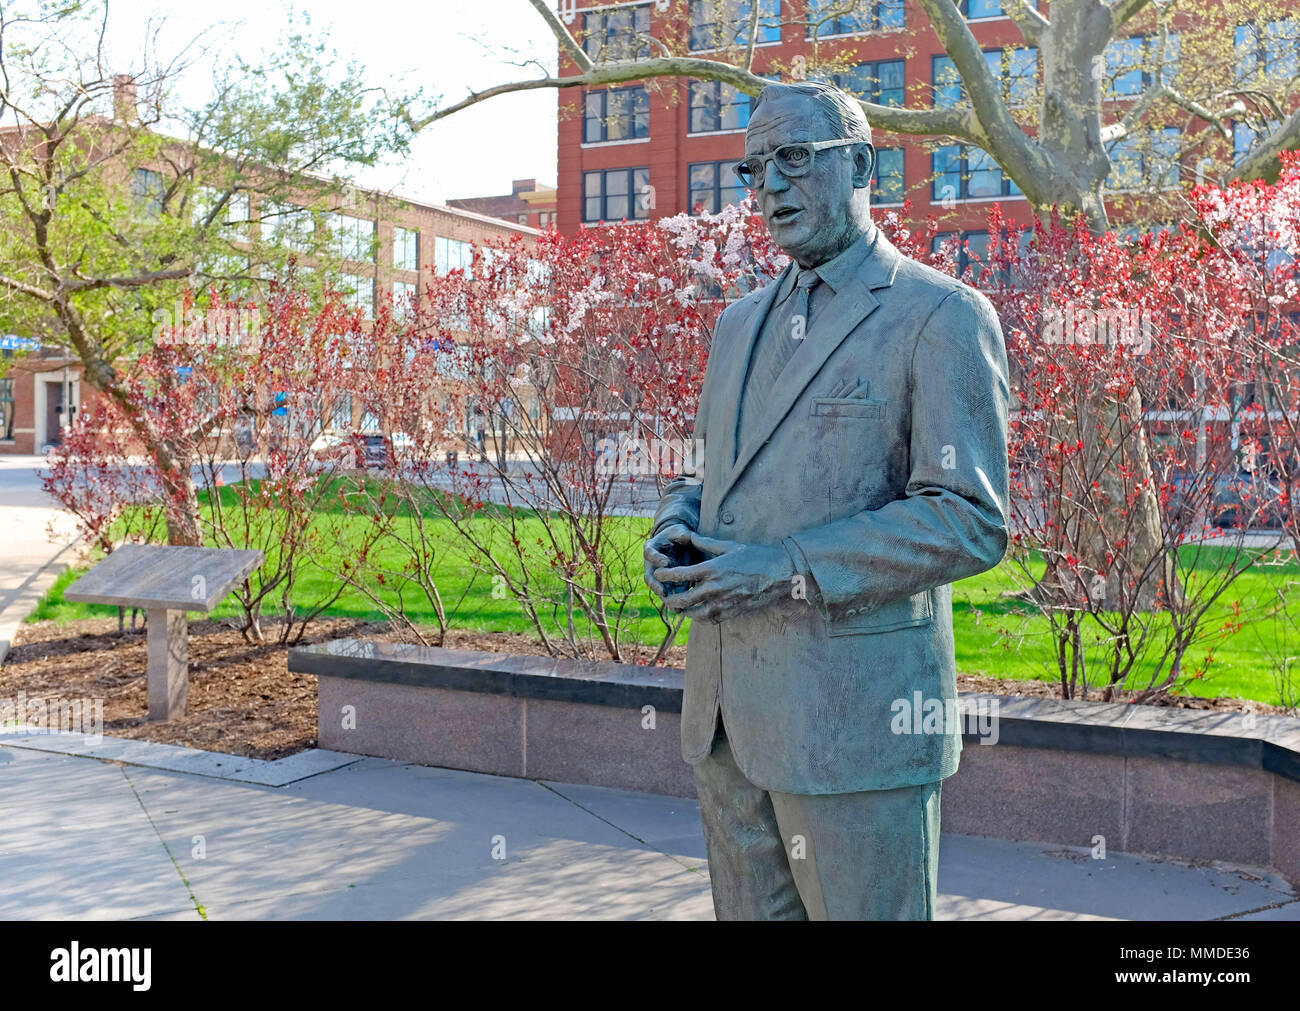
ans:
(733, 579)
(663, 550)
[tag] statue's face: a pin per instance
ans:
(808, 215)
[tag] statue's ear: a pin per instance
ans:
(864, 164)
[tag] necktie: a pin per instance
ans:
(799, 312)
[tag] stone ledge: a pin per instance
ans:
(531, 677)
(1187, 784)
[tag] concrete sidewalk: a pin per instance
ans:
(37, 542)
(362, 838)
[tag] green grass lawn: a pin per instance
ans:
(994, 636)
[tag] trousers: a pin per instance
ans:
(872, 855)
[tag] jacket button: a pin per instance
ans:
(727, 517)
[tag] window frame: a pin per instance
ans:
(1145, 183)
(819, 33)
(715, 41)
(443, 246)
(632, 194)
(1009, 188)
(876, 198)
(877, 91)
(613, 52)
(640, 96)
(1145, 58)
(720, 168)
(401, 232)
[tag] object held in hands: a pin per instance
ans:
(681, 555)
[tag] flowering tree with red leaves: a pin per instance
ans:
(243, 391)
(1253, 233)
(567, 374)
(1128, 360)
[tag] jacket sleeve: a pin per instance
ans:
(680, 502)
(952, 521)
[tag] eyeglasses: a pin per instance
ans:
(792, 159)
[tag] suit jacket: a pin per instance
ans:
(883, 499)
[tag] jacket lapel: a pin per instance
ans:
(731, 382)
(852, 304)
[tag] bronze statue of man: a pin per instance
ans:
(854, 427)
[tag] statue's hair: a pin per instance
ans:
(841, 113)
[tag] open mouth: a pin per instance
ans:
(784, 214)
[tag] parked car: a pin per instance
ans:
(1229, 500)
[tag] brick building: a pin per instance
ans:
(525, 204)
(384, 243)
(644, 150)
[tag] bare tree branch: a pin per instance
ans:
(1033, 26)
(959, 123)
(1123, 11)
(135, 281)
(567, 42)
(1262, 163)
(996, 129)
(754, 9)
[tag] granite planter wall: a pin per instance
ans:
(1199, 785)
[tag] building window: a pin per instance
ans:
(6, 409)
(618, 114)
(406, 248)
(616, 195)
(147, 189)
(545, 219)
(1015, 67)
(452, 254)
(975, 10)
(713, 185)
(1131, 64)
(341, 416)
(881, 82)
(234, 213)
(358, 293)
(716, 106)
(887, 181)
(1269, 49)
(716, 24)
(972, 250)
(287, 225)
(617, 34)
(405, 294)
(1145, 160)
(351, 238)
(948, 91)
(828, 17)
(968, 173)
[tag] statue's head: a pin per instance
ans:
(815, 199)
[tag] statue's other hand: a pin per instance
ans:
(733, 579)
(662, 551)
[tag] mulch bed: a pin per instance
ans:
(244, 701)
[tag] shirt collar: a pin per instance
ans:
(838, 271)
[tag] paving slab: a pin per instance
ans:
(383, 840)
(75, 843)
(377, 839)
(995, 879)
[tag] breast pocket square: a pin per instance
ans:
(847, 407)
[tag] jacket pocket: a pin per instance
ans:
(847, 407)
(903, 612)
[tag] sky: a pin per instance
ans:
(446, 46)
